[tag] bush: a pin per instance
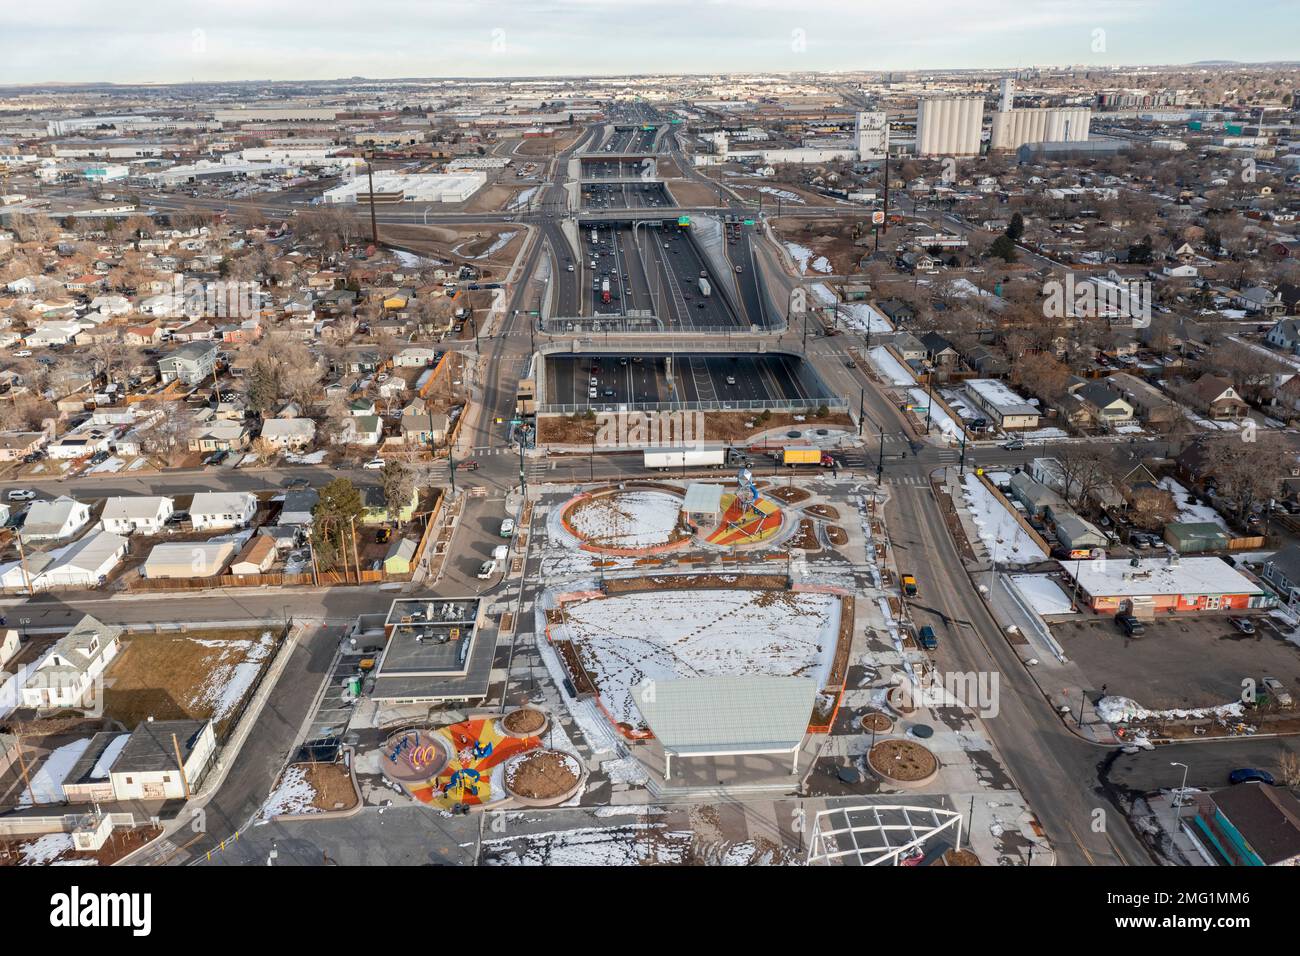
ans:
(822, 411)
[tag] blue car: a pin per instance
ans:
(1251, 775)
(926, 638)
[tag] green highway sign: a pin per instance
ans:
(683, 220)
(749, 222)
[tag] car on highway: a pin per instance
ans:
(731, 380)
(374, 464)
(1251, 775)
(1242, 624)
(592, 392)
(609, 393)
(21, 494)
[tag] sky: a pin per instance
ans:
(169, 41)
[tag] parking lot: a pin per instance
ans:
(1190, 661)
(743, 379)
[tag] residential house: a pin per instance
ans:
(86, 563)
(400, 555)
(1001, 405)
(1105, 405)
(1216, 398)
(424, 428)
(939, 352)
(66, 675)
(415, 356)
(147, 767)
(257, 557)
(189, 364)
(372, 497)
(1282, 571)
(298, 507)
(1285, 335)
(1259, 300)
(219, 436)
(142, 335)
(220, 510)
(53, 520)
(288, 432)
(146, 514)
(366, 430)
(1152, 406)
(14, 446)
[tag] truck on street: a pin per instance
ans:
(666, 458)
(792, 455)
(704, 288)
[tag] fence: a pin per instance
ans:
(775, 405)
(324, 578)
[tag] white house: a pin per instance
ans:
(53, 333)
(68, 671)
(144, 513)
(289, 432)
(8, 645)
(85, 563)
(147, 767)
(220, 510)
(51, 520)
(415, 356)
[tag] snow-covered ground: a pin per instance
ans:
(821, 264)
(631, 844)
(630, 519)
(628, 639)
(1042, 434)
(1118, 710)
(294, 794)
(862, 317)
(890, 369)
(1043, 594)
(228, 683)
(782, 194)
(523, 198)
(1188, 511)
(312, 458)
(800, 254)
(938, 417)
(108, 466)
(998, 527)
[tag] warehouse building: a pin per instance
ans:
(1172, 584)
(415, 187)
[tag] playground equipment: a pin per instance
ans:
(746, 492)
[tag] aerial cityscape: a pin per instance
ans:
(594, 450)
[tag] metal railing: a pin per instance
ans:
(775, 405)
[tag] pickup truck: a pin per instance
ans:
(909, 586)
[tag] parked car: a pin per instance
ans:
(21, 494)
(1277, 692)
(926, 638)
(1015, 444)
(507, 528)
(374, 464)
(293, 483)
(1242, 624)
(1251, 775)
(1130, 625)
(486, 570)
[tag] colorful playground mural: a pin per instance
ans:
(746, 520)
(454, 764)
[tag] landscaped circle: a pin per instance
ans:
(875, 720)
(413, 756)
(903, 762)
(632, 519)
(524, 722)
(543, 777)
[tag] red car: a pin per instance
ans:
(468, 464)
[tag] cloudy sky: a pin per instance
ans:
(179, 40)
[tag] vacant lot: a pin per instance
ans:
(1180, 662)
(198, 675)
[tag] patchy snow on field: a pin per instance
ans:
(800, 254)
(628, 639)
(1042, 434)
(890, 369)
(782, 194)
(523, 198)
(47, 781)
(229, 682)
(45, 849)
(312, 458)
(502, 240)
(632, 844)
(294, 794)
(629, 519)
(862, 317)
(1187, 511)
(1043, 594)
(821, 264)
(998, 528)
(938, 417)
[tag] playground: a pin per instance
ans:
(458, 765)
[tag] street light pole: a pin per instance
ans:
(1182, 791)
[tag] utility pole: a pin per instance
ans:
(929, 398)
(862, 405)
(370, 176)
(961, 466)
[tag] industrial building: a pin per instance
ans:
(949, 125)
(415, 187)
(871, 135)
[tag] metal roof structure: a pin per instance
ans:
(727, 716)
(878, 834)
(702, 498)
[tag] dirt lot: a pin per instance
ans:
(544, 146)
(719, 426)
(44, 850)
(460, 244)
(831, 237)
(197, 675)
(1179, 662)
(687, 192)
